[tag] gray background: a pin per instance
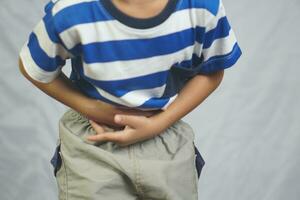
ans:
(248, 130)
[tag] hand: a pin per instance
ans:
(137, 128)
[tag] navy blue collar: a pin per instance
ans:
(139, 22)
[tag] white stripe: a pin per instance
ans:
(133, 68)
(212, 20)
(165, 107)
(133, 98)
(51, 49)
(60, 5)
(220, 46)
(33, 70)
(109, 31)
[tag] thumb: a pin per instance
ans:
(131, 120)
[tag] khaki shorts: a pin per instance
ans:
(165, 167)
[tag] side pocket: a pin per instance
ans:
(199, 162)
(60, 172)
(56, 160)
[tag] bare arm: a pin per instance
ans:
(63, 90)
(191, 95)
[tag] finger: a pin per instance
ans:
(131, 120)
(116, 136)
(98, 127)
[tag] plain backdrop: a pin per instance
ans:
(248, 130)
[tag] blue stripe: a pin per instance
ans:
(136, 48)
(212, 6)
(81, 13)
(121, 87)
(222, 30)
(200, 34)
(154, 103)
(49, 23)
(88, 89)
(221, 62)
(91, 91)
(48, 6)
(50, 28)
(188, 4)
(83, 85)
(40, 57)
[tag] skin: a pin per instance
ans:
(63, 90)
(128, 126)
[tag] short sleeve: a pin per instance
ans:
(44, 54)
(220, 48)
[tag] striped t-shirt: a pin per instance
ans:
(128, 61)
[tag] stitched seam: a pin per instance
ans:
(139, 178)
(134, 166)
(136, 170)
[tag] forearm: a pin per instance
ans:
(190, 96)
(63, 90)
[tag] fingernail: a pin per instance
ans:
(118, 118)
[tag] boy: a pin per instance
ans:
(138, 67)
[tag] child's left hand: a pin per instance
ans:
(137, 128)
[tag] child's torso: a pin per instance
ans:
(128, 66)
